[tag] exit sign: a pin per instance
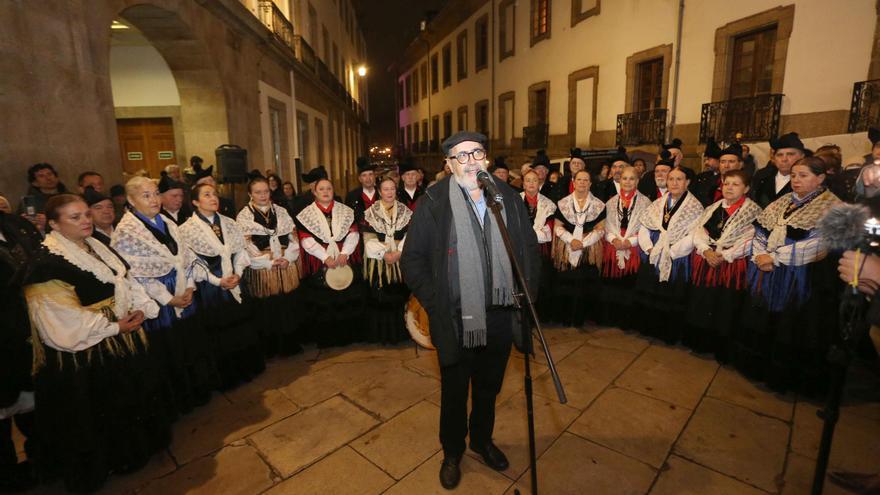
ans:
(135, 156)
(166, 155)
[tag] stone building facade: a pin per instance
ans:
(557, 74)
(211, 72)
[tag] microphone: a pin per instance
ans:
(843, 227)
(489, 186)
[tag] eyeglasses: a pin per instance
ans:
(462, 157)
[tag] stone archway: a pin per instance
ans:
(202, 114)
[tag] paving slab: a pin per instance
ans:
(574, 466)
(633, 424)
(160, 465)
(218, 423)
(855, 446)
(798, 479)
(342, 472)
(736, 442)
(392, 391)
(585, 373)
(364, 352)
(404, 442)
(334, 379)
(682, 477)
(476, 479)
(671, 374)
(732, 387)
(426, 363)
(615, 338)
(304, 438)
(237, 469)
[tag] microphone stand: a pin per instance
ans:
(494, 203)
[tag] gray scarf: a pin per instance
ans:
(471, 254)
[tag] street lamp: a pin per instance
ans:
(362, 70)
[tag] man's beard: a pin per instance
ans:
(464, 180)
(661, 183)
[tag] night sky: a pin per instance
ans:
(389, 26)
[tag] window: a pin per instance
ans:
(435, 133)
(649, 85)
(539, 100)
(504, 131)
(507, 29)
(415, 136)
(401, 95)
(302, 127)
(582, 9)
(407, 84)
(481, 43)
(275, 122)
(540, 20)
(447, 125)
(424, 135)
(447, 65)
(434, 78)
(336, 62)
(401, 137)
(313, 26)
(415, 86)
(461, 55)
(424, 79)
(463, 118)
(319, 140)
(481, 116)
(326, 36)
(752, 69)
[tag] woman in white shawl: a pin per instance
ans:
(222, 257)
(722, 246)
(666, 243)
(385, 225)
(576, 254)
(792, 315)
(620, 253)
(99, 408)
(161, 262)
(268, 283)
(329, 238)
(541, 209)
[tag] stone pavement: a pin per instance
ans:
(642, 418)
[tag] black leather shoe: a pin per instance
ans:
(492, 455)
(450, 473)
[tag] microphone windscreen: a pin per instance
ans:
(843, 227)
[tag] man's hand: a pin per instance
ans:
(869, 274)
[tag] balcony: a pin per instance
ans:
(276, 21)
(645, 127)
(754, 118)
(865, 109)
(305, 53)
(535, 136)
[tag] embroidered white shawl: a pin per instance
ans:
(149, 258)
(592, 210)
(377, 217)
(313, 219)
(283, 227)
(737, 227)
(546, 207)
(804, 218)
(680, 225)
(59, 245)
(639, 205)
(199, 237)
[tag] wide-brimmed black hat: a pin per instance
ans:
(93, 197)
(166, 183)
(541, 160)
(712, 149)
(675, 144)
(735, 149)
(364, 165)
(500, 163)
(201, 173)
(620, 156)
(314, 174)
(665, 159)
(407, 165)
(790, 140)
(460, 137)
(874, 135)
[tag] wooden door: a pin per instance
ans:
(146, 144)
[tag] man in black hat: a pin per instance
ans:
(500, 170)
(610, 187)
(174, 204)
(409, 192)
(19, 241)
(361, 198)
(541, 166)
(101, 207)
(456, 265)
(774, 180)
(653, 184)
(705, 185)
(674, 149)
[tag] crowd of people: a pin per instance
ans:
(129, 306)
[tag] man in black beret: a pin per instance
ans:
(174, 204)
(541, 166)
(101, 207)
(361, 198)
(653, 184)
(409, 191)
(456, 265)
(500, 170)
(774, 180)
(674, 149)
(708, 182)
(610, 187)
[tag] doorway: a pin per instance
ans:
(146, 145)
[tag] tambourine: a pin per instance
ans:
(338, 278)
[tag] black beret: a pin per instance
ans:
(460, 137)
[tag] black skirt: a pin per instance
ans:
(385, 314)
(334, 318)
(277, 320)
(659, 306)
(545, 289)
(574, 296)
(98, 411)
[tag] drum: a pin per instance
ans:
(417, 323)
(338, 278)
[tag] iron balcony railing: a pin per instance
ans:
(753, 118)
(535, 136)
(645, 127)
(305, 53)
(865, 109)
(276, 21)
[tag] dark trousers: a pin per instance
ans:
(482, 369)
